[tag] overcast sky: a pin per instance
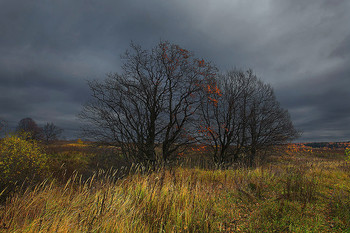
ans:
(48, 49)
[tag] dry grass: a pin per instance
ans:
(296, 193)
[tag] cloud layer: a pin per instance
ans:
(48, 49)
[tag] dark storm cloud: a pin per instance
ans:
(48, 49)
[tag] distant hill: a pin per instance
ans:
(331, 145)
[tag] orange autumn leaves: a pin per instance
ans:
(204, 77)
(298, 147)
(214, 92)
(177, 56)
(174, 57)
(207, 131)
(331, 146)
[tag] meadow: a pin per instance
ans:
(297, 189)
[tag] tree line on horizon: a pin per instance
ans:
(167, 99)
(48, 133)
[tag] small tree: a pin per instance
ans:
(51, 132)
(241, 117)
(29, 126)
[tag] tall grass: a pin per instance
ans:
(303, 195)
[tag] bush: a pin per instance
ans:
(347, 154)
(20, 159)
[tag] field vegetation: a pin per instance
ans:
(176, 146)
(295, 189)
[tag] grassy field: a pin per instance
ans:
(295, 191)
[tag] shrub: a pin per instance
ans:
(20, 159)
(347, 154)
(79, 141)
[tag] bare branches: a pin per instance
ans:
(29, 126)
(51, 132)
(151, 103)
(166, 99)
(3, 124)
(244, 119)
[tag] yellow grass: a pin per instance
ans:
(303, 193)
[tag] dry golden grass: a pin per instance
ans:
(294, 193)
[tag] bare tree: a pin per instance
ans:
(28, 125)
(242, 116)
(151, 103)
(51, 132)
(267, 123)
(2, 124)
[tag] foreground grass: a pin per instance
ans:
(298, 193)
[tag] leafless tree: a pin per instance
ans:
(151, 103)
(28, 125)
(241, 117)
(2, 124)
(51, 132)
(268, 123)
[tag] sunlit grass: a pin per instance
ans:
(305, 194)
